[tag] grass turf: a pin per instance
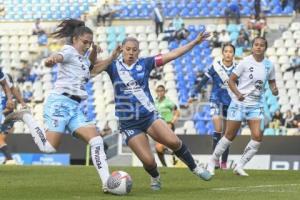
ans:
(80, 182)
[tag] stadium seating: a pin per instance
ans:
(24, 10)
(193, 8)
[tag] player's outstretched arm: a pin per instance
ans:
(232, 85)
(182, 50)
(53, 59)
(198, 87)
(273, 87)
(101, 65)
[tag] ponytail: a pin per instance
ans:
(71, 28)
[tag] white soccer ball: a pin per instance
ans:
(119, 183)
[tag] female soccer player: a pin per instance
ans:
(219, 72)
(135, 106)
(252, 73)
(62, 109)
(170, 114)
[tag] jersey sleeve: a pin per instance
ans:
(210, 72)
(66, 53)
(272, 73)
(152, 62)
(238, 70)
(109, 68)
(172, 105)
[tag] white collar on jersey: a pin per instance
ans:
(220, 61)
(120, 60)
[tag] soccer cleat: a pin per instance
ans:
(202, 173)
(155, 183)
(10, 162)
(16, 116)
(240, 171)
(211, 167)
(105, 189)
(223, 165)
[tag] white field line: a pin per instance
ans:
(246, 188)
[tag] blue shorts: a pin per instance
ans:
(238, 112)
(62, 113)
(131, 128)
(218, 109)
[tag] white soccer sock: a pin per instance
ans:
(250, 150)
(222, 145)
(38, 134)
(99, 158)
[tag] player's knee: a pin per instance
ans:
(257, 137)
(175, 144)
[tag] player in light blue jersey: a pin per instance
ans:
(136, 110)
(219, 73)
(252, 73)
(62, 110)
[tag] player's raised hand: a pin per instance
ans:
(96, 48)
(117, 51)
(202, 36)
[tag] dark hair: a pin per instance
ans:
(228, 45)
(132, 39)
(259, 37)
(71, 28)
(161, 86)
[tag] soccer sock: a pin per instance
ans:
(223, 144)
(6, 152)
(99, 158)
(38, 134)
(153, 171)
(250, 150)
(216, 138)
(225, 156)
(185, 156)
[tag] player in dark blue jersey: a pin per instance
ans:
(135, 106)
(5, 129)
(219, 73)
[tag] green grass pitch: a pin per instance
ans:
(80, 182)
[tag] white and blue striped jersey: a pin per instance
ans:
(252, 77)
(132, 94)
(219, 93)
(73, 72)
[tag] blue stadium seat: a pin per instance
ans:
(204, 11)
(201, 128)
(195, 12)
(276, 10)
(288, 10)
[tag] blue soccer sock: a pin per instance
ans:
(225, 156)
(6, 152)
(216, 137)
(153, 172)
(185, 156)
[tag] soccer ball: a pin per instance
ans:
(119, 183)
